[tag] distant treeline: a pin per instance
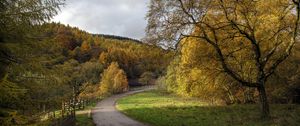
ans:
(117, 37)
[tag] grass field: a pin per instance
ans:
(161, 109)
(84, 117)
(84, 120)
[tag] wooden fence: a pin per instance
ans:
(66, 116)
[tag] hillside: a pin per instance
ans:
(64, 60)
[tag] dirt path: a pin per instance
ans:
(105, 113)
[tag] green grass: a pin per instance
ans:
(82, 119)
(85, 119)
(161, 109)
(41, 123)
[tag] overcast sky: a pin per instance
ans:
(116, 17)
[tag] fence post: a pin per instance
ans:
(83, 103)
(62, 109)
(48, 114)
(44, 107)
(69, 104)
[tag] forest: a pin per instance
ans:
(223, 52)
(48, 68)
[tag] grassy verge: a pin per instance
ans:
(84, 117)
(160, 109)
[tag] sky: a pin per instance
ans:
(115, 17)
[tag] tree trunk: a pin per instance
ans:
(263, 101)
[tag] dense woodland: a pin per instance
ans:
(61, 59)
(232, 52)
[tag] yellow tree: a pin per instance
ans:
(249, 38)
(114, 80)
(103, 58)
(120, 82)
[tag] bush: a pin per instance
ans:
(147, 78)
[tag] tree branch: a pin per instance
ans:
(290, 46)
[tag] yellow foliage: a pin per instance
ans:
(103, 58)
(120, 82)
(114, 80)
(85, 46)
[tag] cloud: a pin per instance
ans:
(117, 17)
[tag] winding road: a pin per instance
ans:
(105, 113)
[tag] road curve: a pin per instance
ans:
(105, 113)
